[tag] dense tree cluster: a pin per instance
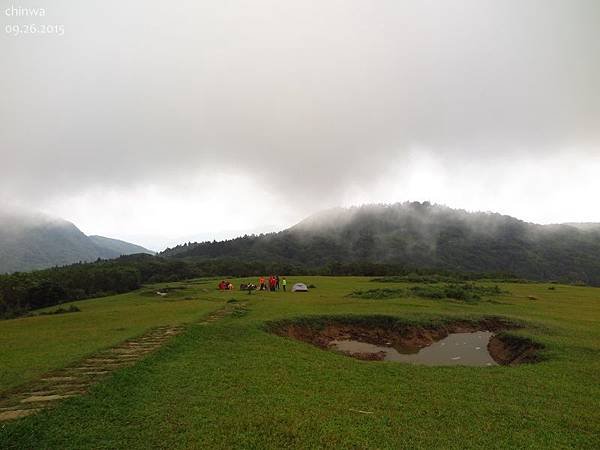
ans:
(20, 292)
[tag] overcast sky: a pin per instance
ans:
(160, 122)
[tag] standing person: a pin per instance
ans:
(276, 282)
(261, 282)
(272, 283)
(284, 283)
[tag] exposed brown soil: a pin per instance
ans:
(379, 356)
(410, 338)
(512, 350)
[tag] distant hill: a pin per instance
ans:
(421, 235)
(588, 226)
(31, 241)
(119, 247)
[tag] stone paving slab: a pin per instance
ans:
(76, 379)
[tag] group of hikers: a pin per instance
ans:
(225, 286)
(274, 283)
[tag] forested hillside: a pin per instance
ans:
(421, 235)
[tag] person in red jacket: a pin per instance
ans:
(272, 283)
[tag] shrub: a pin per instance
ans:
(467, 292)
(61, 310)
(458, 291)
(379, 293)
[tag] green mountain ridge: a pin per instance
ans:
(421, 235)
(31, 241)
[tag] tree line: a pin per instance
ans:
(25, 291)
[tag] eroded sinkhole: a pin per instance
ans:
(481, 342)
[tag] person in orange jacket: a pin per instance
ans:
(261, 283)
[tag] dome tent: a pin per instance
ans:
(299, 287)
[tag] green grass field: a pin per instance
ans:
(230, 384)
(34, 345)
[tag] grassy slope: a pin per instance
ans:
(230, 384)
(34, 345)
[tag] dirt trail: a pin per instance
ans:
(77, 378)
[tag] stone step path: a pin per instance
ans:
(76, 379)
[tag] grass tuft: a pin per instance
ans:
(466, 292)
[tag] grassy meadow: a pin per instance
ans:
(32, 346)
(231, 384)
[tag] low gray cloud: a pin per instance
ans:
(311, 99)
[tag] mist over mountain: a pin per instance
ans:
(422, 235)
(30, 241)
(587, 226)
(118, 246)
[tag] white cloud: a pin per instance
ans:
(204, 207)
(145, 106)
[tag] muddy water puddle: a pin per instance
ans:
(465, 349)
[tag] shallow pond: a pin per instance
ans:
(464, 349)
